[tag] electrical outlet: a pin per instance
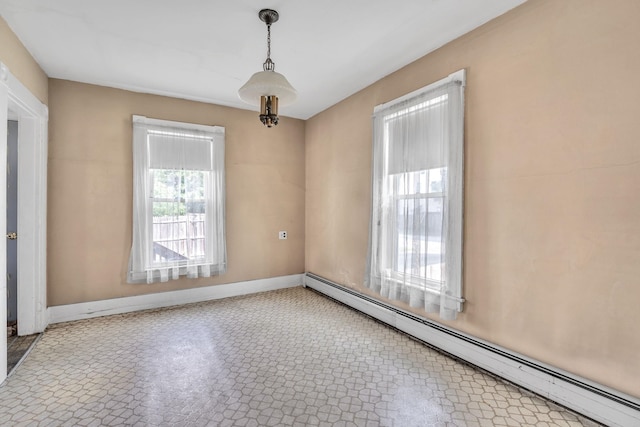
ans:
(282, 235)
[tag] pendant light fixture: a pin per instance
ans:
(267, 88)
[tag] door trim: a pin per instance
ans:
(17, 102)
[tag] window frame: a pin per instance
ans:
(152, 264)
(143, 266)
(409, 278)
(406, 286)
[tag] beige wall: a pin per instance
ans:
(90, 191)
(552, 232)
(21, 64)
(552, 242)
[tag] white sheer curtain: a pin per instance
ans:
(415, 243)
(178, 201)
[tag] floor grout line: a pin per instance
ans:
(285, 357)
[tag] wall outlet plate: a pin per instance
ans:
(282, 235)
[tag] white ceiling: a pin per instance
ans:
(205, 50)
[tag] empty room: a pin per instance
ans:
(356, 213)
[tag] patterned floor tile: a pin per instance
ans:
(288, 357)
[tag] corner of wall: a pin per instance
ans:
(22, 64)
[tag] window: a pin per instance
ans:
(415, 252)
(417, 213)
(178, 201)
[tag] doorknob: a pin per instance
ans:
(12, 236)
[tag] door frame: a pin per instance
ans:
(18, 103)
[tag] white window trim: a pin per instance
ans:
(181, 125)
(454, 238)
(190, 270)
(458, 76)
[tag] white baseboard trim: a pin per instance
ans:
(87, 310)
(594, 400)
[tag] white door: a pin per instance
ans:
(12, 223)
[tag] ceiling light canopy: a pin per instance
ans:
(267, 88)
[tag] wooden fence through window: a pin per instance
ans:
(177, 238)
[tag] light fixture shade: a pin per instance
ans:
(267, 83)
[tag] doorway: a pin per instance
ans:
(19, 104)
(17, 346)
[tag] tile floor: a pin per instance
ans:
(288, 357)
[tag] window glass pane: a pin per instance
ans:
(166, 183)
(178, 203)
(194, 191)
(436, 179)
(411, 235)
(418, 206)
(420, 182)
(435, 242)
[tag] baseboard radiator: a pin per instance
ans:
(594, 400)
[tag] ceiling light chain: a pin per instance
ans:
(269, 65)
